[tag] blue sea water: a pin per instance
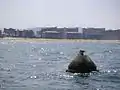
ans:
(42, 66)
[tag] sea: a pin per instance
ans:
(42, 65)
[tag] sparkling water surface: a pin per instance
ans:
(42, 66)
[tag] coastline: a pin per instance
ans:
(57, 40)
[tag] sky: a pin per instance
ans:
(62, 13)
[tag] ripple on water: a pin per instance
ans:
(42, 66)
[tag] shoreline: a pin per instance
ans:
(57, 40)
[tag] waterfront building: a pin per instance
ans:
(111, 35)
(10, 32)
(0, 32)
(52, 34)
(28, 34)
(74, 35)
(93, 33)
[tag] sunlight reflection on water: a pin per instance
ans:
(42, 66)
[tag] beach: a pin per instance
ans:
(46, 40)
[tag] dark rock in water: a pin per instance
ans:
(82, 64)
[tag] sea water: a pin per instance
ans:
(42, 66)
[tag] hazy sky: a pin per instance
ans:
(38, 13)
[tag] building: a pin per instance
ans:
(19, 33)
(10, 32)
(52, 34)
(111, 35)
(0, 33)
(93, 33)
(35, 30)
(38, 34)
(48, 29)
(28, 34)
(74, 29)
(74, 35)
